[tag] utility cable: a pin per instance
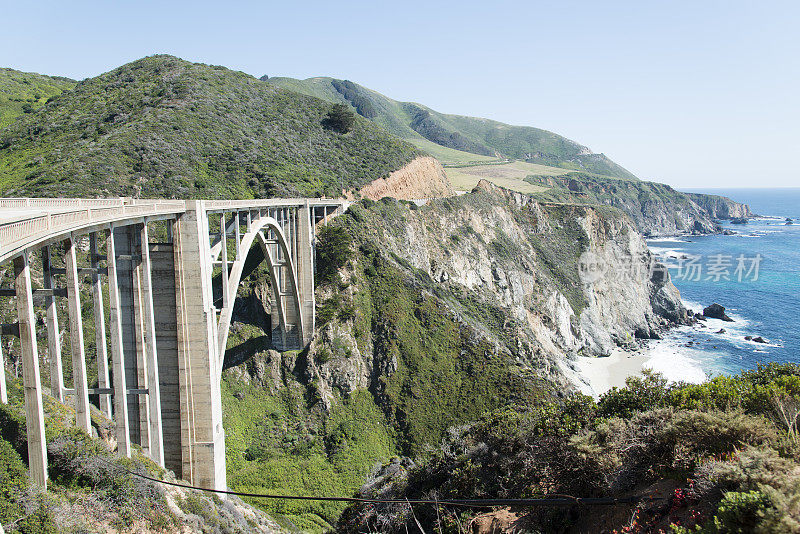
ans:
(555, 500)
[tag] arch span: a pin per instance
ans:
(268, 232)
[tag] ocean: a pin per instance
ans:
(755, 274)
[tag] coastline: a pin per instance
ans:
(594, 376)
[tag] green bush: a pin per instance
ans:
(13, 482)
(737, 513)
(639, 394)
(339, 119)
(334, 245)
(12, 428)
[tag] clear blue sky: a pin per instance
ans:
(699, 93)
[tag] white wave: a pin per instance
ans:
(675, 362)
(668, 240)
(663, 252)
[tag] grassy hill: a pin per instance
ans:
(472, 136)
(162, 126)
(24, 92)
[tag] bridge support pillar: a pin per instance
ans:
(34, 410)
(78, 348)
(53, 331)
(305, 272)
(203, 438)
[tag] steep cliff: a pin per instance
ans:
(428, 317)
(656, 209)
(721, 207)
(424, 177)
(508, 268)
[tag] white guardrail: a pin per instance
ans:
(26, 221)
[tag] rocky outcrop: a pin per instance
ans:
(716, 311)
(499, 254)
(721, 207)
(423, 178)
(656, 209)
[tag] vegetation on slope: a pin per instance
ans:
(481, 137)
(25, 92)
(445, 374)
(720, 456)
(161, 126)
(88, 486)
(430, 370)
(281, 441)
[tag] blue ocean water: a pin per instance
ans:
(766, 305)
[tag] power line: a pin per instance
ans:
(555, 500)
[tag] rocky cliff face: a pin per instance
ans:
(424, 177)
(656, 209)
(429, 317)
(721, 207)
(506, 268)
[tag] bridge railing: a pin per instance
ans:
(27, 229)
(27, 221)
(77, 203)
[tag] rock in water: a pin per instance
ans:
(715, 311)
(759, 339)
(739, 220)
(748, 338)
(721, 331)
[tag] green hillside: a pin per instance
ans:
(162, 126)
(24, 92)
(469, 136)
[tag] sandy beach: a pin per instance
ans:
(595, 376)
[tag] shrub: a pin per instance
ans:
(12, 428)
(334, 245)
(639, 394)
(13, 482)
(737, 513)
(339, 119)
(753, 391)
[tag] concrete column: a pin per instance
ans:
(3, 392)
(103, 380)
(293, 229)
(53, 331)
(305, 272)
(224, 257)
(76, 338)
(133, 328)
(238, 234)
(164, 300)
(151, 353)
(34, 413)
(117, 352)
(199, 366)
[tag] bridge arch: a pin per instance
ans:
(266, 231)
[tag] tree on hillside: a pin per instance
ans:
(339, 119)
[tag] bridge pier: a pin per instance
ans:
(203, 438)
(31, 380)
(305, 271)
(76, 338)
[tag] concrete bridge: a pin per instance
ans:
(163, 276)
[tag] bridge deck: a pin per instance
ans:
(28, 222)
